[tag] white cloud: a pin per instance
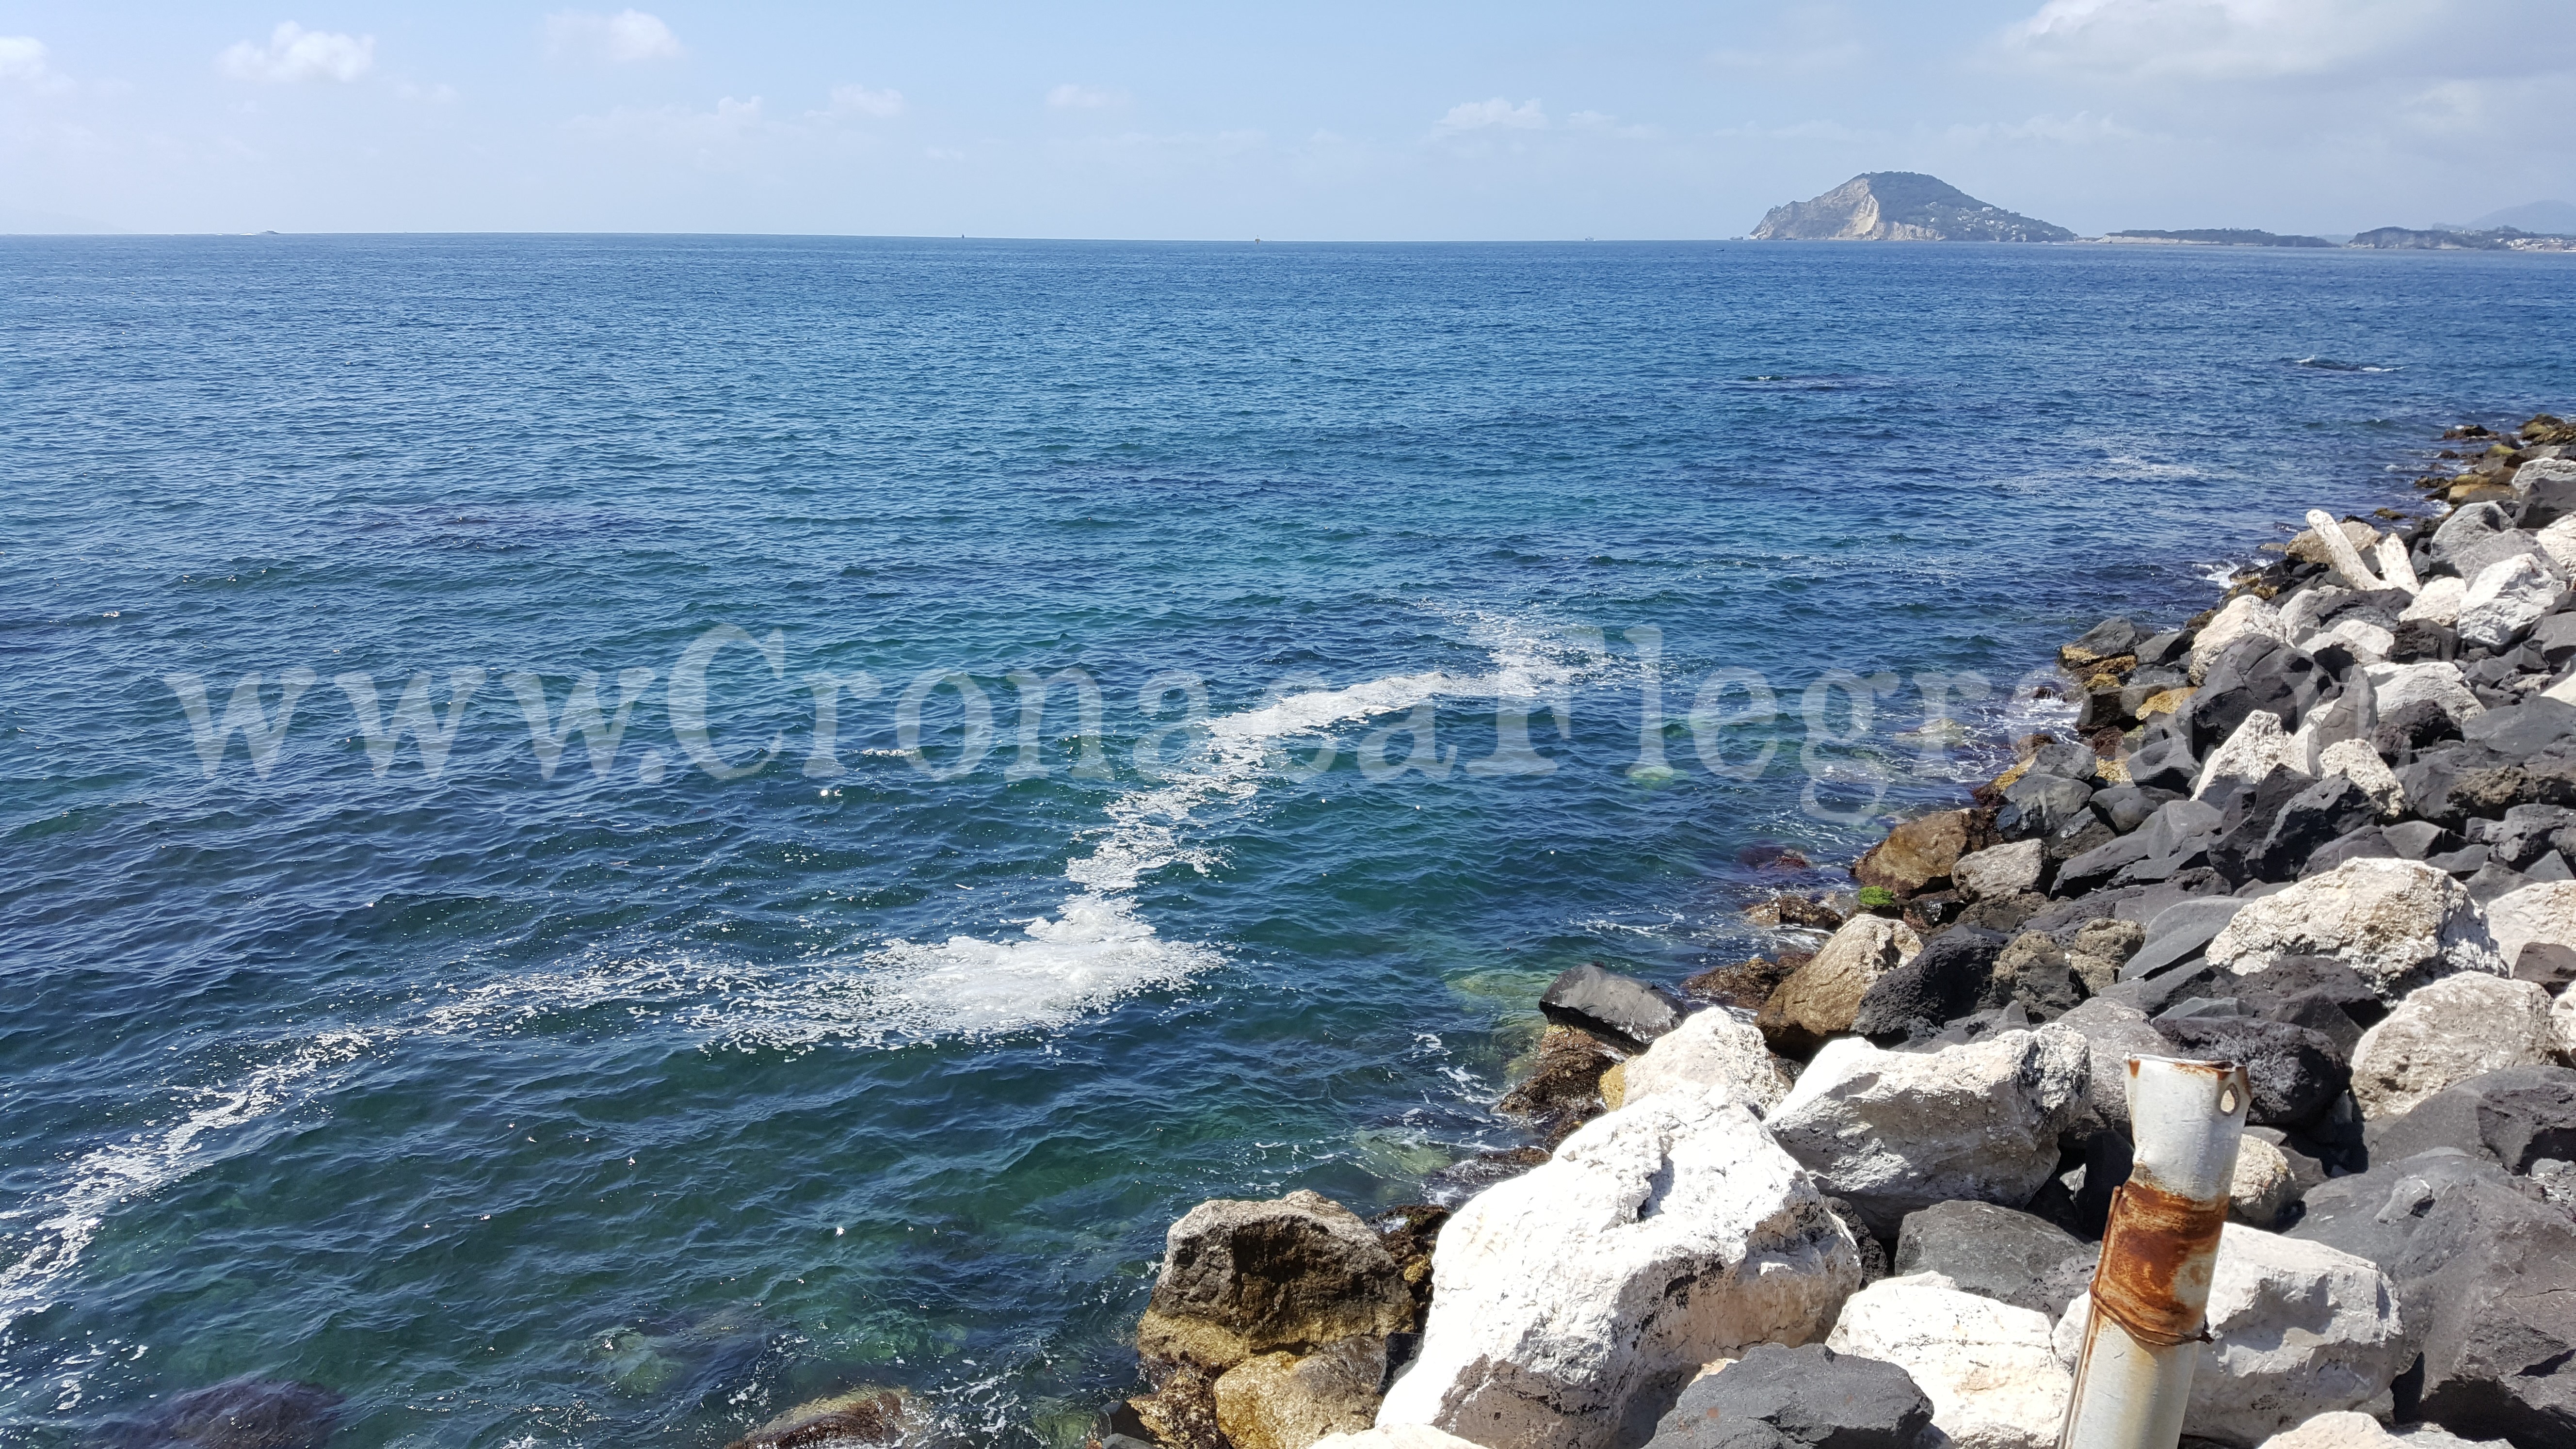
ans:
(2079, 129)
(1071, 97)
(627, 37)
(1494, 114)
(24, 64)
(2218, 39)
(294, 53)
(1600, 124)
(860, 101)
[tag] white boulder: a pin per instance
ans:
(2244, 617)
(2544, 911)
(2397, 923)
(2506, 597)
(2350, 1429)
(1709, 1051)
(1395, 1436)
(2358, 762)
(1998, 870)
(1894, 1132)
(2437, 601)
(2297, 1329)
(1989, 1368)
(2254, 749)
(1569, 1304)
(2264, 1185)
(2395, 686)
(2558, 541)
(2447, 1032)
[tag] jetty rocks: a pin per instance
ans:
(1852, 1194)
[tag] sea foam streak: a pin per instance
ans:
(1092, 952)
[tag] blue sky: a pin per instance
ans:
(1328, 121)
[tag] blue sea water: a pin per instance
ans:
(629, 1092)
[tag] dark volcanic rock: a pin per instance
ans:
(2317, 815)
(2513, 1117)
(2039, 804)
(1799, 1398)
(2485, 1269)
(1947, 980)
(2252, 674)
(2011, 1257)
(2296, 1073)
(1620, 1007)
(1747, 983)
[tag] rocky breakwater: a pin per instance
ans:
(1853, 1194)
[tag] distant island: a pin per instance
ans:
(1910, 206)
(2218, 237)
(1901, 206)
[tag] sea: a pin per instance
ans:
(604, 835)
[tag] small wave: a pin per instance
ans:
(2328, 364)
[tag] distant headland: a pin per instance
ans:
(1910, 206)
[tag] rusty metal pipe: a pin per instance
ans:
(2151, 1291)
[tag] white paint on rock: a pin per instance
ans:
(1571, 1303)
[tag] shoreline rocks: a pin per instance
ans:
(2326, 830)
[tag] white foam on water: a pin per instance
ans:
(144, 1164)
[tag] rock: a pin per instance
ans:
(863, 1416)
(1563, 1091)
(2527, 833)
(1408, 1233)
(2506, 598)
(2181, 931)
(2034, 971)
(1746, 984)
(1709, 1052)
(2513, 1117)
(2438, 684)
(1808, 1397)
(2367, 843)
(1895, 1132)
(2085, 872)
(1948, 979)
(2398, 923)
(1395, 1436)
(1241, 1278)
(2264, 1185)
(1999, 870)
(2436, 603)
(2350, 1429)
(2487, 1270)
(2039, 804)
(2446, 1032)
(1282, 1401)
(2323, 812)
(2298, 1328)
(242, 1413)
(2522, 730)
(2553, 966)
(2256, 748)
(2472, 537)
(1988, 1367)
(1995, 1252)
(2296, 1073)
(2113, 1032)
(1819, 999)
(1916, 855)
(1607, 1004)
(2359, 762)
(2244, 617)
(2277, 679)
(1572, 1303)
(2101, 948)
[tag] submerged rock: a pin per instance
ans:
(243, 1413)
(860, 1417)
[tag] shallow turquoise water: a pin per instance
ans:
(631, 1104)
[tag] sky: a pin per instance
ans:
(1320, 121)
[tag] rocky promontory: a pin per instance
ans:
(1901, 206)
(1852, 1193)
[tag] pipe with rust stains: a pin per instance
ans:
(2133, 1379)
